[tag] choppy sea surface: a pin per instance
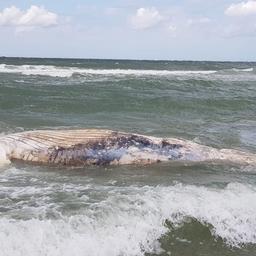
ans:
(161, 209)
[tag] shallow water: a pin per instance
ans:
(162, 209)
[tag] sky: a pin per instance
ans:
(223, 30)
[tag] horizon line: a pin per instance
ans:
(122, 59)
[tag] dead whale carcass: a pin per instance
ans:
(106, 147)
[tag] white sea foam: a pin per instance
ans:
(54, 71)
(243, 69)
(130, 221)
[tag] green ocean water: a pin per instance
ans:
(162, 209)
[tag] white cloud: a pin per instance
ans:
(172, 28)
(146, 18)
(33, 17)
(203, 20)
(241, 9)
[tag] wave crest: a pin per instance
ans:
(54, 71)
(131, 220)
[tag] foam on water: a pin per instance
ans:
(130, 220)
(54, 71)
(243, 69)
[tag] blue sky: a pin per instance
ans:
(185, 29)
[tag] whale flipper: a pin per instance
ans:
(106, 147)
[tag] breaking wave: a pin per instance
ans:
(243, 69)
(129, 221)
(54, 71)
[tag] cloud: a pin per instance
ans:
(146, 18)
(203, 20)
(241, 9)
(172, 28)
(33, 17)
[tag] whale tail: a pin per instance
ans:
(236, 156)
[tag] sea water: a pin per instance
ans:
(159, 209)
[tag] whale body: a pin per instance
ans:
(106, 147)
